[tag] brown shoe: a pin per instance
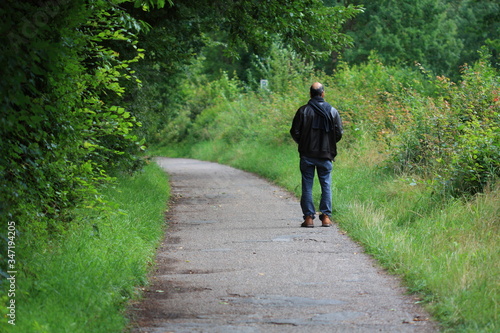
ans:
(308, 223)
(326, 222)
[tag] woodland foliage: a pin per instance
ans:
(447, 132)
(64, 130)
(75, 94)
(441, 35)
(84, 83)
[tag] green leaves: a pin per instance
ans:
(454, 138)
(65, 127)
(149, 4)
(308, 27)
(405, 32)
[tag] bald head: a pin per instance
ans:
(317, 89)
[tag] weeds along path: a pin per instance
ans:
(235, 259)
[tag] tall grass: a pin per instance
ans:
(82, 281)
(445, 249)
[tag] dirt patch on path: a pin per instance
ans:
(235, 260)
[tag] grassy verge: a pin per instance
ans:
(82, 282)
(445, 250)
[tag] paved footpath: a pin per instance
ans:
(235, 259)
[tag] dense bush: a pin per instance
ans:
(63, 125)
(453, 137)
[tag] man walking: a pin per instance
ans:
(317, 128)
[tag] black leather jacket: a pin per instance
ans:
(316, 143)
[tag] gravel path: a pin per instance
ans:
(234, 259)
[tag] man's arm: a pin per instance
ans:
(296, 127)
(337, 122)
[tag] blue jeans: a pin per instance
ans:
(324, 168)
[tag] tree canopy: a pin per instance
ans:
(442, 35)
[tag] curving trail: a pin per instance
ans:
(234, 259)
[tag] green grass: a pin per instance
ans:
(445, 250)
(83, 281)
